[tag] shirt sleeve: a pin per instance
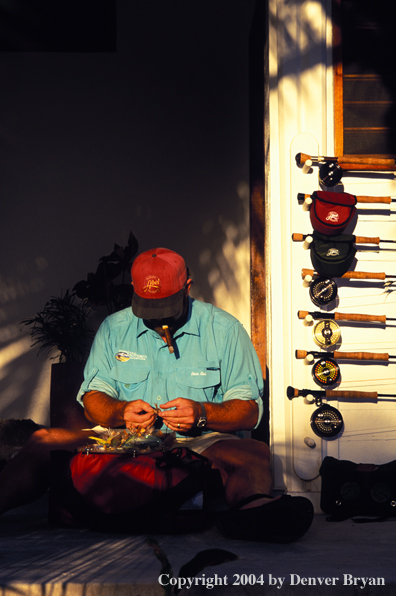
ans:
(97, 368)
(244, 392)
(241, 373)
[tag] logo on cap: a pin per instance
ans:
(152, 284)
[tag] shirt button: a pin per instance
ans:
(159, 398)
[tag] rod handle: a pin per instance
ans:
(366, 167)
(348, 274)
(338, 316)
(351, 394)
(367, 240)
(301, 158)
(360, 356)
(365, 159)
(365, 199)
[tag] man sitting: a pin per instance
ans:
(196, 364)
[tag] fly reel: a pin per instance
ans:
(322, 291)
(326, 333)
(326, 422)
(326, 372)
(330, 173)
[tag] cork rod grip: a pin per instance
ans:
(366, 167)
(365, 199)
(360, 356)
(348, 274)
(338, 316)
(351, 394)
(367, 240)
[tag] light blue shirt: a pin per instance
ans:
(214, 360)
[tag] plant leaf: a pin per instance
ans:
(205, 558)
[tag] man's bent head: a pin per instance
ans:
(159, 278)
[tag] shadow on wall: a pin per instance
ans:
(221, 276)
(225, 263)
(151, 138)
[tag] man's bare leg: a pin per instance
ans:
(244, 467)
(25, 478)
(245, 470)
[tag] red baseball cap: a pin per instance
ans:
(158, 276)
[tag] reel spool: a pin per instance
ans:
(326, 422)
(322, 291)
(326, 333)
(330, 173)
(326, 372)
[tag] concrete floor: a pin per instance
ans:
(39, 560)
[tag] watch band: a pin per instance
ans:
(202, 420)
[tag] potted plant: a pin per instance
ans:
(63, 328)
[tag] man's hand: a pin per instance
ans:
(110, 412)
(184, 417)
(139, 413)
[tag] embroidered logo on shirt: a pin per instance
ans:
(152, 284)
(124, 356)
(194, 374)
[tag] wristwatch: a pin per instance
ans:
(202, 418)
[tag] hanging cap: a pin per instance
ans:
(158, 278)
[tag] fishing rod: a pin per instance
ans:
(301, 158)
(308, 238)
(351, 274)
(326, 421)
(331, 173)
(377, 356)
(291, 393)
(301, 197)
(339, 316)
(323, 290)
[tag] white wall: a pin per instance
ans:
(152, 138)
(301, 120)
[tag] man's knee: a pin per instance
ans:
(235, 453)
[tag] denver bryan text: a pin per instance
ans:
(347, 579)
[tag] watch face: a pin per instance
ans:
(201, 422)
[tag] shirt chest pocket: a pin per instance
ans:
(132, 381)
(198, 382)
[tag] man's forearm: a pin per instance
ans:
(232, 415)
(103, 409)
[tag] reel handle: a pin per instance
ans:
(348, 274)
(298, 237)
(351, 394)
